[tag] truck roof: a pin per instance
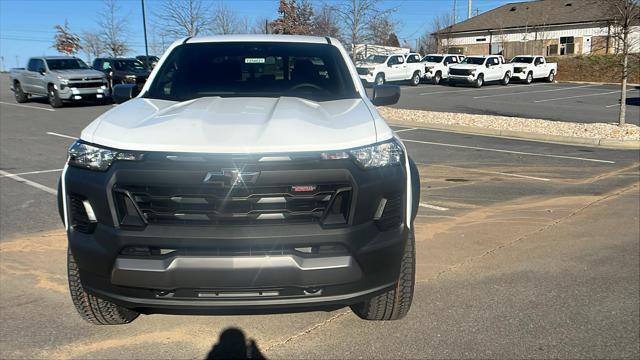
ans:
(53, 57)
(261, 38)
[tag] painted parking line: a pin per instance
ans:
(26, 106)
(476, 89)
(402, 130)
(31, 172)
(580, 96)
(61, 135)
(532, 92)
(28, 182)
(612, 105)
(433, 207)
(511, 151)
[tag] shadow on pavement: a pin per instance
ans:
(233, 344)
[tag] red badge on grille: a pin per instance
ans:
(303, 188)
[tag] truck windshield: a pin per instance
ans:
(66, 64)
(376, 59)
(432, 58)
(128, 65)
(261, 69)
(522, 59)
(473, 60)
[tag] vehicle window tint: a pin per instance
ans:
(39, 65)
(400, 59)
(312, 71)
(432, 58)
(473, 60)
(128, 65)
(66, 64)
(522, 59)
(31, 66)
(413, 59)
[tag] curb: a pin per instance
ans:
(522, 135)
(593, 83)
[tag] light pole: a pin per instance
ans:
(144, 27)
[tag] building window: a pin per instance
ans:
(567, 47)
(456, 50)
(481, 39)
(552, 50)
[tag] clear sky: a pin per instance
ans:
(26, 26)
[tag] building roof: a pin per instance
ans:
(537, 13)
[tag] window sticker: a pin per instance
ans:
(254, 61)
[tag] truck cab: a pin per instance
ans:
(436, 66)
(379, 69)
(477, 70)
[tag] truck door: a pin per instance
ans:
(28, 76)
(448, 61)
(539, 67)
(396, 68)
(494, 69)
(39, 83)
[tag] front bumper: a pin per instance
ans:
(221, 268)
(465, 79)
(73, 93)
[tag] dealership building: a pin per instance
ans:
(547, 27)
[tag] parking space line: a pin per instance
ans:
(612, 105)
(26, 106)
(579, 96)
(433, 207)
(476, 89)
(62, 135)
(531, 92)
(28, 182)
(402, 130)
(511, 151)
(32, 172)
(510, 174)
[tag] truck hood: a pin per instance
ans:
(368, 65)
(521, 64)
(234, 125)
(429, 63)
(466, 66)
(78, 73)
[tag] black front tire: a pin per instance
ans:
(479, 81)
(54, 98)
(91, 308)
(529, 78)
(505, 80)
(551, 77)
(415, 79)
(21, 97)
(379, 79)
(395, 303)
(437, 78)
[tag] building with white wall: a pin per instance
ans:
(546, 27)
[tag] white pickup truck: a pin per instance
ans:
(527, 68)
(477, 70)
(436, 66)
(378, 69)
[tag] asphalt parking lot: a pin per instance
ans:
(524, 249)
(583, 103)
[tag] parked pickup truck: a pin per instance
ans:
(60, 78)
(251, 173)
(527, 68)
(436, 66)
(378, 69)
(477, 70)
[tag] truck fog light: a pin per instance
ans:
(380, 210)
(90, 214)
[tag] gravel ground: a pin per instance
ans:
(538, 126)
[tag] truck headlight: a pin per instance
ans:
(92, 157)
(379, 155)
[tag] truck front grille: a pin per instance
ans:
(216, 205)
(459, 72)
(84, 85)
(518, 69)
(362, 71)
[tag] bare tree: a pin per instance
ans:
(325, 23)
(66, 41)
(181, 18)
(261, 26)
(224, 21)
(355, 15)
(380, 28)
(113, 27)
(627, 18)
(441, 30)
(92, 45)
(295, 18)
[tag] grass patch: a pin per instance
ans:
(597, 68)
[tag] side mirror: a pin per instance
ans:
(385, 95)
(124, 92)
(42, 71)
(389, 64)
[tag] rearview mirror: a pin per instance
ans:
(385, 95)
(124, 92)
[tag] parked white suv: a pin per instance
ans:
(526, 68)
(436, 66)
(477, 70)
(378, 69)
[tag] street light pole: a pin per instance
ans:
(144, 27)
